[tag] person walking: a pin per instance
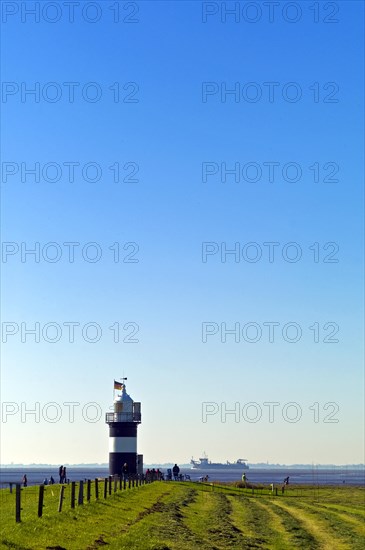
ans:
(25, 480)
(176, 471)
(125, 471)
(60, 473)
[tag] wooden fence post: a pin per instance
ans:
(120, 483)
(61, 498)
(17, 502)
(105, 487)
(115, 484)
(129, 483)
(124, 484)
(40, 500)
(96, 488)
(73, 493)
(81, 493)
(88, 490)
(110, 484)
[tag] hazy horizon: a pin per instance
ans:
(184, 465)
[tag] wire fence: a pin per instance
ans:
(32, 501)
(70, 495)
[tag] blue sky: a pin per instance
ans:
(169, 212)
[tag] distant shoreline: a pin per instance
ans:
(308, 476)
(258, 466)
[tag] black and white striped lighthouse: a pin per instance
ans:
(123, 423)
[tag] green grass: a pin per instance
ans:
(179, 516)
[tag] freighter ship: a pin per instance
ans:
(203, 463)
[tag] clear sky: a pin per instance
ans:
(176, 95)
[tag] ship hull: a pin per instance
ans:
(220, 467)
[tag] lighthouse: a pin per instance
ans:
(123, 423)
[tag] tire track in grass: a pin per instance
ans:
(129, 519)
(210, 517)
(282, 538)
(161, 526)
(248, 519)
(299, 535)
(318, 529)
(262, 526)
(349, 531)
(356, 513)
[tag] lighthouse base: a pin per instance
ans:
(116, 461)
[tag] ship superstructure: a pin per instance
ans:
(204, 463)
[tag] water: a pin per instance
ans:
(309, 476)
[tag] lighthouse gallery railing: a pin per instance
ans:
(123, 417)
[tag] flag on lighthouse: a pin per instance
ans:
(118, 385)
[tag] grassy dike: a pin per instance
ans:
(170, 515)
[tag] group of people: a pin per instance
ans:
(150, 475)
(50, 482)
(285, 482)
(154, 475)
(63, 474)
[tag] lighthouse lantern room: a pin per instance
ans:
(123, 423)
